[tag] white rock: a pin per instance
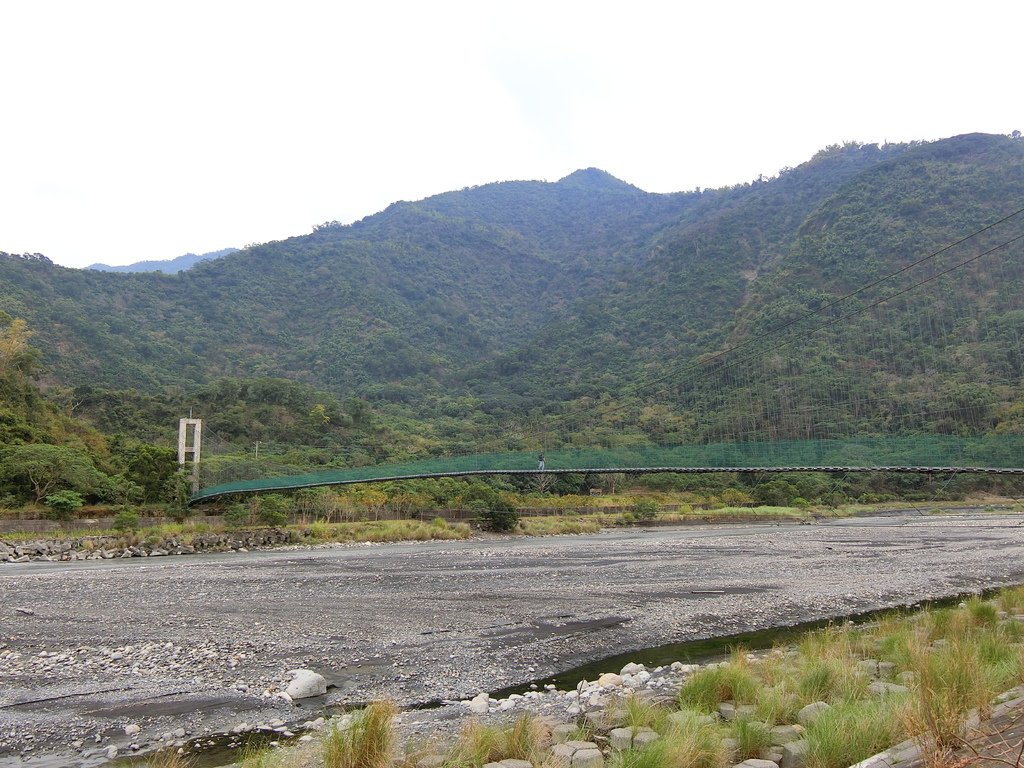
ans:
(479, 704)
(305, 684)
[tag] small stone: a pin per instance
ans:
(868, 667)
(632, 669)
(755, 763)
(430, 761)
(132, 730)
(610, 680)
(882, 688)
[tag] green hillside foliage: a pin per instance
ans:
(527, 315)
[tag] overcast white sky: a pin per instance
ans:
(137, 130)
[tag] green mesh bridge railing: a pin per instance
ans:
(999, 454)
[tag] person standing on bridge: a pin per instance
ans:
(540, 463)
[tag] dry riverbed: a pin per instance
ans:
(188, 647)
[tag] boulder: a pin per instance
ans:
(643, 737)
(794, 755)
(479, 704)
(588, 758)
(811, 712)
(305, 684)
(561, 733)
(610, 680)
(783, 734)
(621, 738)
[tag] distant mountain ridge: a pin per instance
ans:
(167, 266)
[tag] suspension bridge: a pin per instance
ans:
(916, 371)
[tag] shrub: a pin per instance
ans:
(320, 530)
(270, 509)
(776, 493)
(63, 505)
(236, 516)
(645, 509)
(126, 520)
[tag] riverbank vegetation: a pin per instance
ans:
(845, 693)
(127, 528)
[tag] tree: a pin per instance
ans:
(152, 468)
(645, 509)
(45, 468)
(15, 352)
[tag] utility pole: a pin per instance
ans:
(257, 444)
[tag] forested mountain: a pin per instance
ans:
(415, 292)
(937, 358)
(589, 309)
(167, 266)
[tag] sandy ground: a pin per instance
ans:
(193, 642)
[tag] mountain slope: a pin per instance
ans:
(945, 357)
(415, 292)
(167, 266)
(472, 313)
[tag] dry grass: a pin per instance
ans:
(388, 531)
(555, 524)
(478, 744)
(367, 742)
(168, 758)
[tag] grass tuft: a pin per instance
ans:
(851, 731)
(752, 738)
(367, 742)
(708, 688)
(690, 743)
(479, 744)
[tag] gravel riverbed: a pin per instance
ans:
(187, 647)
